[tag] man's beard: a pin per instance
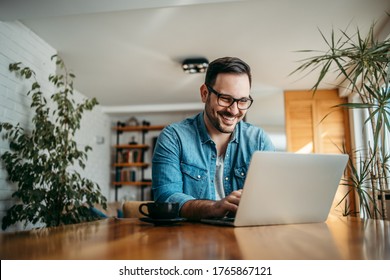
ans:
(216, 122)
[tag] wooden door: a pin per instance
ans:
(314, 125)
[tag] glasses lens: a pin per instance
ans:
(225, 101)
(244, 103)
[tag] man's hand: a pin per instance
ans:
(198, 209)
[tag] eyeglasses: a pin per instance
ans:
(226, 101)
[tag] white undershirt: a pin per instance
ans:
(219, 190)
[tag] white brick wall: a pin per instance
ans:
(18, 43)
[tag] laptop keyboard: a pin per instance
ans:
(219, 221)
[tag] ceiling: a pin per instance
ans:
(128, 53)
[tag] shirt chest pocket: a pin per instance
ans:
(240, 175)
(194, 180)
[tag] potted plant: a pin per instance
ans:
(362, 67)
(43, 162)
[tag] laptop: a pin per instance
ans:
(287, 188)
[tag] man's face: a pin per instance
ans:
(224, 119)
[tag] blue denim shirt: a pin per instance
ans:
(184, 160)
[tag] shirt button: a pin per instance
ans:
(198, 176)
(227, 178)
(242, 173)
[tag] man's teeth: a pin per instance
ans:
(229, 118)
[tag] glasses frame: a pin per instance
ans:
(218, 94)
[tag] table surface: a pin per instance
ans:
(337, 238)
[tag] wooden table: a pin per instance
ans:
(338, 238)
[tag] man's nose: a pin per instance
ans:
(233, 109)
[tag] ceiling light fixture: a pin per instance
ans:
(195, 65)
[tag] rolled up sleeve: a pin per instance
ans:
(167, 180)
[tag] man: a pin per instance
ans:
(201, 162)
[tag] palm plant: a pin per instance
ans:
(362, 67)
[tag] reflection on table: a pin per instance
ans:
(338, 238)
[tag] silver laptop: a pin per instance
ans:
(287, 188)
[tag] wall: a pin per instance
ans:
(18, 43)
(267, 112)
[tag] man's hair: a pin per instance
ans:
(226, 65)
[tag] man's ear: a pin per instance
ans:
(203, 93)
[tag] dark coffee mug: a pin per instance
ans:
(160, 210)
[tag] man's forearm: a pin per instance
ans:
(198, 209)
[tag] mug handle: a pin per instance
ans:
(141, 211)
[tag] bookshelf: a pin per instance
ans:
(130, 163)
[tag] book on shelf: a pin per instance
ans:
(129, 156)
(128, 175)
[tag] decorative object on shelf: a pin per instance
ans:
(49, 189)
(145, 123)
(195, 65)
(132, 141)
(132, 122)
(364, 65)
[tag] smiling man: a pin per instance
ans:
(201, 162)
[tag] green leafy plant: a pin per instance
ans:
(42, 162)
(362, 65)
